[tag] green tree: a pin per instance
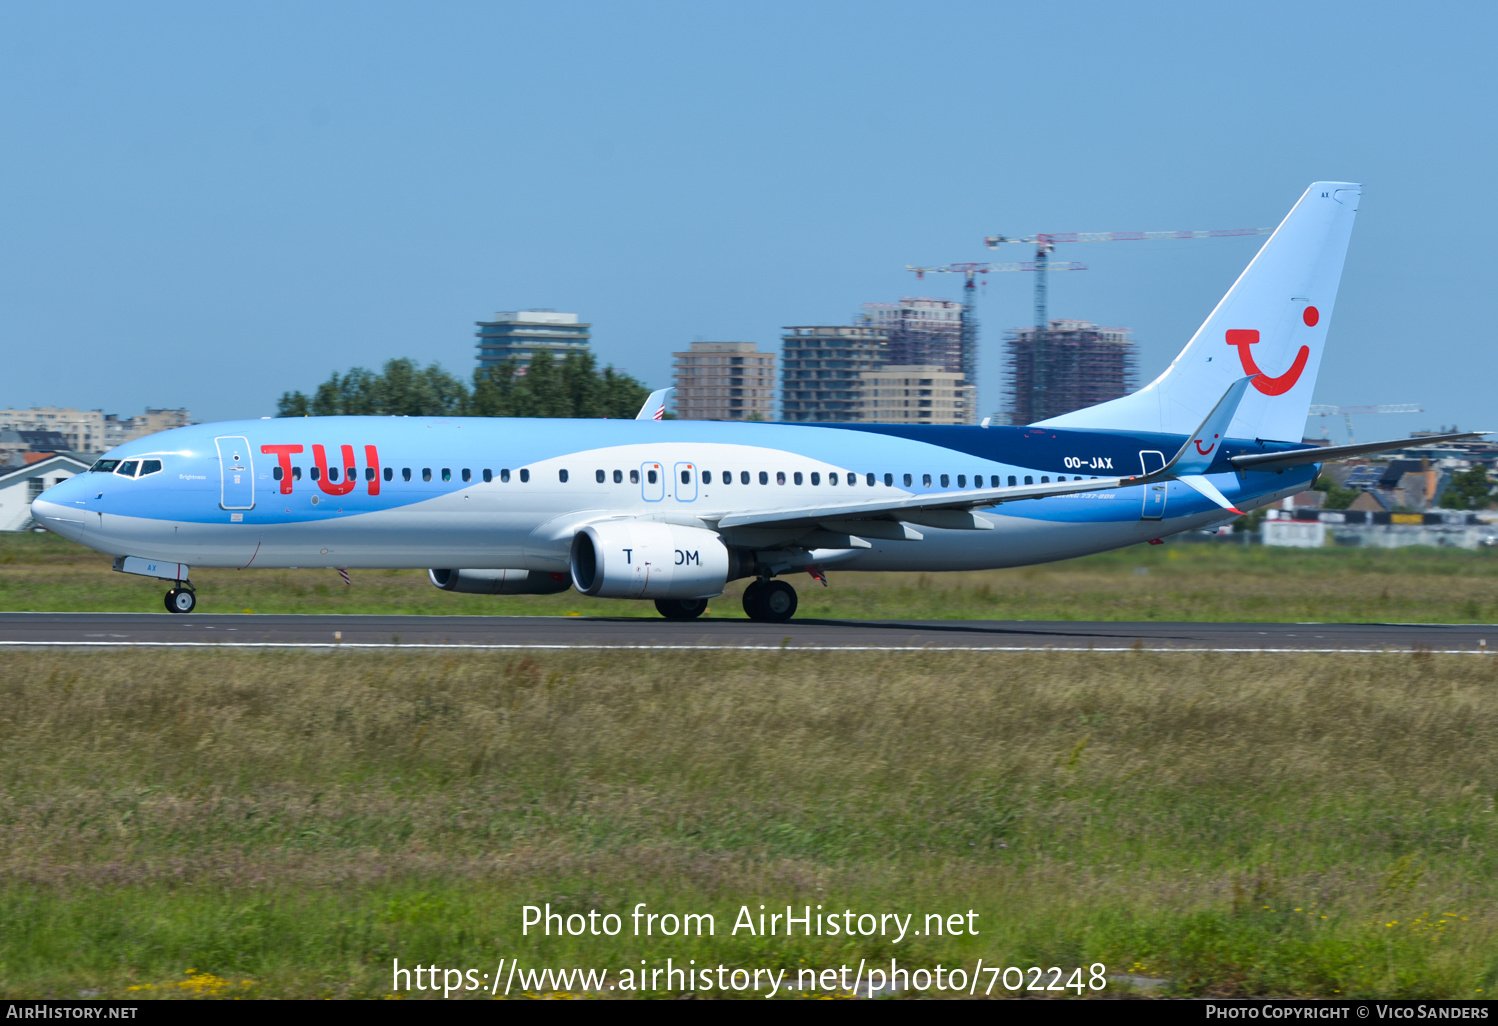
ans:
(293, 404)
(1469, 489)
(1335, 496)
(572, 387)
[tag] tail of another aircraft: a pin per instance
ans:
(1271, 325)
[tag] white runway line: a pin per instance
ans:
(335, 646)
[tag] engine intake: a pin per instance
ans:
(645, 559)
(499, 582)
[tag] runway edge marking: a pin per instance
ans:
(337, 645)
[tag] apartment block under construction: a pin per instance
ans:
(1068, 366)
(925, 331)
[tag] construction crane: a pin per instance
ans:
(970, 272)
(1045, 245)
(1348, 412)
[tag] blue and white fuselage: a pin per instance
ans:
(511, 494)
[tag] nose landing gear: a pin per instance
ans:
(770, 601)
(181, 600)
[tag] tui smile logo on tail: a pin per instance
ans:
(1242, 338)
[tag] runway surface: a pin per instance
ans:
(94, 630)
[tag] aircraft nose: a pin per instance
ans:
(60, 510)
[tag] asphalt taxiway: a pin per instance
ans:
(95, 630)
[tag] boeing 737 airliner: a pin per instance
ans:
(674, 510)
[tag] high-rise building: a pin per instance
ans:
(821, 371)
(519, 334)
(1069, 366)
(925, 331)
(725, 381)
(914, 394)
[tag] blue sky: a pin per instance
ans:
(207, 204)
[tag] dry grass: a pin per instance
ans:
(1242, 825)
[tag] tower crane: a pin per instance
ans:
(1347, 413)
(970, 271)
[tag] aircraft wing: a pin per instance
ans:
(927, 509)
(1329, 453)
(954, 509)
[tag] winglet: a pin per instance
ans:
(655, 405)
(1201, 448)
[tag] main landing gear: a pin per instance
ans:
(181, 600)
(770, 601)
(681, 609)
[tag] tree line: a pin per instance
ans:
(570, 387)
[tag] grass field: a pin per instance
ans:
(287, 823)
(1175, 581)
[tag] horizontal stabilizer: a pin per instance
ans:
(1208, 489)
(1331, 453)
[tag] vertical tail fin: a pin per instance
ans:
(1271, 325)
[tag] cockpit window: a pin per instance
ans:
(104, 466)
(151, 467)
(126, 469)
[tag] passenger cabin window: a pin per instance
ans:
(764, 477)
(925, 480)
(504, 475)
(816, 478)
(618, 477)
(650, 476)
(389, 474)
(525, 475)
(780, 477)
(1012, 481)
(796, 478)
(832, 478)
(870, 479)
(908, 480)
(686, 477)
(946, 481)
(599, 476)
(634, 477)
(743, 477)
(332, 473)
(961, 480)
(562, 476)
(447, 474)
(276, 474)
(488, 475)
(1045, 479)
(707, 477)
(296, 473)
(467, 474)
(727, 476)
(369, 473)
(993, 482)
(889, 480)
(426, 473)
(1029, 479)
(405, 473)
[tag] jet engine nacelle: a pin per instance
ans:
(645, 559)
(500, 582)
